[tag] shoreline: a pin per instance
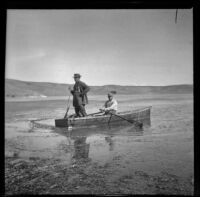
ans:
(92, 97)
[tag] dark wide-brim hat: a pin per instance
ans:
(76, 75)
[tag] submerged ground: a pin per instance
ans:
(157, 160)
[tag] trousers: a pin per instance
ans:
(111, 111)
(80, 110)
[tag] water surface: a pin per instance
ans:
(166, 145)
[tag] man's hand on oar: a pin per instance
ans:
(69, 88)
(102, 110)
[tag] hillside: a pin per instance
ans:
(16, 88)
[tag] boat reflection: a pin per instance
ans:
(85, 144)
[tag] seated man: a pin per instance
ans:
(110, 105)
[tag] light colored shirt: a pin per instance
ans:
(111, 105)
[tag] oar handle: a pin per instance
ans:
(68, 106)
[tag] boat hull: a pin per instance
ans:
(140, 115)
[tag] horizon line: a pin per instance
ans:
(97, 85)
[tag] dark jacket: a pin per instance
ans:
(79, 93)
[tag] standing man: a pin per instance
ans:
(79, 93)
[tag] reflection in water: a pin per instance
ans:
(110, 142)
(77, 146)
(95, 148)
(81, 148)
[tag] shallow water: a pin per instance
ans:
(165, 146)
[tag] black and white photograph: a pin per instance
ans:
(99, 101)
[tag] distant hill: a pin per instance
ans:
(16, 88)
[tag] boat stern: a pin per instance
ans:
(61, 123)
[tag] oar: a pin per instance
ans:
(132, 122)
(88, 114)
(94, 113)
(110, 118)
(68, 106)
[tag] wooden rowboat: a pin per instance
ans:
(141, 115)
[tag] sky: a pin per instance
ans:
(116, 46)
